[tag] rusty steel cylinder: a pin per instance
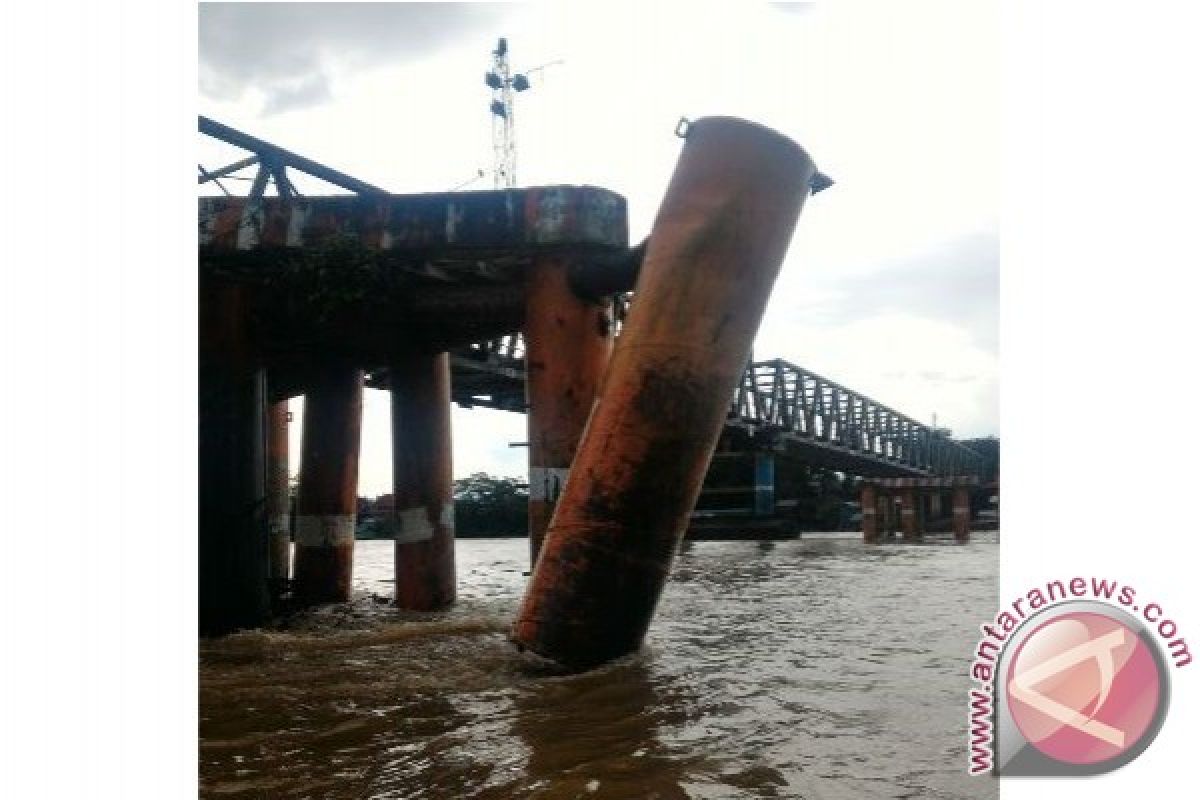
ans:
(327, 497)
(232, 569)
(567, 344)
(279, 539)
(716, 247)
(423, 482)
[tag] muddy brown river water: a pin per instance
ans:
(817, 668)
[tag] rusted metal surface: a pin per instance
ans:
(870, 514)
(423, 484)
(232, 549)
(279, 546)
(494, 220)
(567, 344)
(365, 279)
(326, 499)
(717, 245)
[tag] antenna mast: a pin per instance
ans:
(504, 142)
(504, 133)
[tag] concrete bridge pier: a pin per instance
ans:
(423, 481)
(936, 505)
(327, 498)
(568, 340)
(279, 536)
(920, 503)
(870, 515)
(764, 484)
(908, 515)
(962, 514)
(232, 550)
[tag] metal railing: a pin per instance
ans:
(783, 396)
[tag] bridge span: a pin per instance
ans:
(777, 407)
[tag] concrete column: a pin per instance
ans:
(568, 341)
(962, 514)
(935, 504)
(870, 521)
(716, 247)
(279, 538)
(908, 514)
(232, 568)
(423, 482)
(764, 484)
(327, 498)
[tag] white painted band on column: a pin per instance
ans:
(960, 509)
(413, 525)
(278, 525)
(546, 483)
(908, 512)
(324, 530)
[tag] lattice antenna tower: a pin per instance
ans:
(503, 83)
(504, 140)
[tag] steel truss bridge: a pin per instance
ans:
(777, 406)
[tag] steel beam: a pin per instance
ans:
(278, 156)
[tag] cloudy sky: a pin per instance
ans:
(890, 285)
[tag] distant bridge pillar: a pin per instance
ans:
(327, 498)
(567, 344)
(962, 514)
(764, 484)
(278, 499)
(423, 482)
(870, 519)
(935, 504)
(232, 568)
(908, 513)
